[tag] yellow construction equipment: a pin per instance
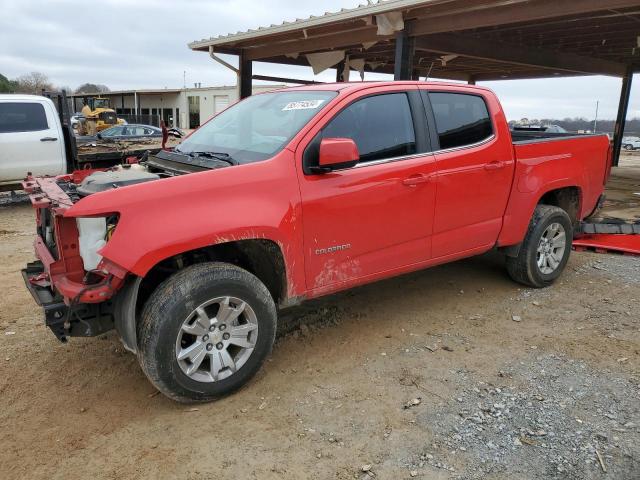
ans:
(98, 115)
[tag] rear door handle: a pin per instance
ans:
(494, 166)
(49, 139)
(415, 180)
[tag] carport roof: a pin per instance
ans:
(461, 40)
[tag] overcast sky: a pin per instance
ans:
(128, 44)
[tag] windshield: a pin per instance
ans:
(258, 127)
(101, 103)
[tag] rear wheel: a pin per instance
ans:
(628, 147)
(546, 248)
(206, 331)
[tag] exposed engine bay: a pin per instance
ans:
(151, 167)
(115, 178)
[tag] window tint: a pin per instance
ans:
(381, 126)
(460, 119)
(22, 117)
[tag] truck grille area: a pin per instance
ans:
(47, 231)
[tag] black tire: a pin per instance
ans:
(524, 268)
(628, 147)
(173, 301)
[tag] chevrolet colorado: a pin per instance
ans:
(292, 195)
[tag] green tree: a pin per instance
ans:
(6, 85)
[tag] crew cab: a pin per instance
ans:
(31, 139)
(295, 194)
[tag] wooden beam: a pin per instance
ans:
(340, 71)
(269, 78)
(486, 15)
(517, 55)
(245, 77)
(621, 121)
(492, 16)
(404, 56)
(311, 44)
(495, 77)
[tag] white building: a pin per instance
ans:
(181, 107)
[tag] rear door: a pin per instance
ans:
(30, 140)
(377, 216)
(475, 165)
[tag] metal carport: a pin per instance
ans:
(455, 39)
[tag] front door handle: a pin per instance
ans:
(494, 166)
(49, 139)
(415, 180)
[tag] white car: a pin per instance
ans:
(631, 143)
(31, 138)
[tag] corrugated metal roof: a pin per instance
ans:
(372, 8)
(160, 91)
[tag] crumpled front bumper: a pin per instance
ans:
(76, 320)
(55, 310)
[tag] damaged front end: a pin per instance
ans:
(75, 286)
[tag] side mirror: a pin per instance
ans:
(337, 153)
(99, 136)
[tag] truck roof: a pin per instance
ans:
(20, 97)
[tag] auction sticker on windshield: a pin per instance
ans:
(303, 105)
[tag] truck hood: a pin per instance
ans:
(140, 194)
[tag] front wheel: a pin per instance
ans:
(546, 248)
(628, 147)
(206, 331)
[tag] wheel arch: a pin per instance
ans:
(567, 196)
(261, 257)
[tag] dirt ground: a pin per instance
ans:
(454, 372)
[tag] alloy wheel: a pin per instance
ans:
(216, 339)
(551, 248)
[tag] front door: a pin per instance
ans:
(377, 216)
(30, 140)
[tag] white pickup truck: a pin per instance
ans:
(31, 139)
(36, 137)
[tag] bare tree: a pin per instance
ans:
(33, 83)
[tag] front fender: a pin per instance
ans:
(163, 218)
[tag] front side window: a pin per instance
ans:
(461, 119)
(22, 117)
(258, 127)
(381, 126)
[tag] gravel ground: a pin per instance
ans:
(547, 417)
(450, 373)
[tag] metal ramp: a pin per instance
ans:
(610, 235)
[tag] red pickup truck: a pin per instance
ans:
(295, 194)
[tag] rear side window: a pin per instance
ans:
(22, 117)
(460, 119)
(381, 126)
